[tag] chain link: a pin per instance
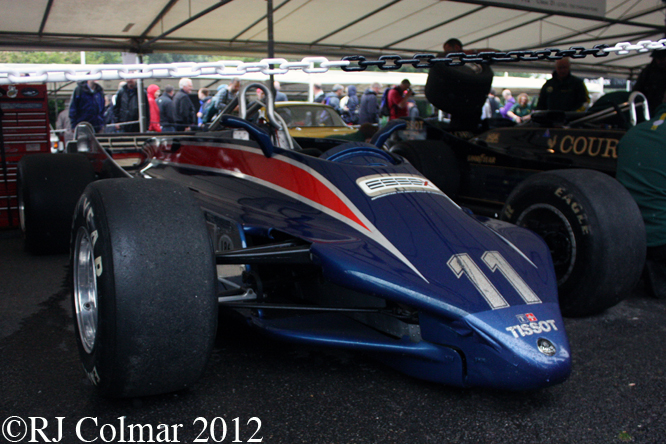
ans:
(393, 62)
(13, 74)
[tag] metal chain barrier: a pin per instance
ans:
(12, 74)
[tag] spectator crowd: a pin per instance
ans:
(170, 109)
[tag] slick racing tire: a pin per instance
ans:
(144, 287)
(435, 160)
(459, 89)
(49, 185)
(594, 230)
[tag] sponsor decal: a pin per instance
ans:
(585, 146)
(525, 318)
(546, 347)
(493, 137)
(481, 158)
(30, 92)
(384, 184)
(531, 328)
(466, 135)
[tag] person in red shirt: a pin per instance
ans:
(398, 98)
(153, 91)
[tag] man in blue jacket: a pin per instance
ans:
(87, 105)
(369, 108)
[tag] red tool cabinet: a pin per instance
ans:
(25, 130)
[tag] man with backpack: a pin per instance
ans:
(225, 94)
(333, 98)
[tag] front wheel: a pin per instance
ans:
(594, 230)
(144, 287)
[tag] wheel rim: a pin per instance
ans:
(549, 223)
(21, 209)
(85, 290)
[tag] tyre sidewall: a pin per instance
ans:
(156, 286)
(570, 205)
(99, 363)
(608, 229)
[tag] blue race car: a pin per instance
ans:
(350, 247)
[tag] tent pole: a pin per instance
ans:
(141, 104)
(271, 41)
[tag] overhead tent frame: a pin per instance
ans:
(323, 28)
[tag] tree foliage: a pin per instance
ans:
(48, 57)
(99, 57)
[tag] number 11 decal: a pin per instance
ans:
(463, 264)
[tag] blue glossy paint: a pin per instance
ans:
(396, 246)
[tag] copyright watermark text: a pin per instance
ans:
(33, 429)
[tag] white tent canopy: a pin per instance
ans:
(335, 29)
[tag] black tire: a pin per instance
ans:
(144, 287)
(594, 230)
(459, 90)
(49, 185)
(435, 160)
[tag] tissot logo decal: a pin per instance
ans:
(525, 318)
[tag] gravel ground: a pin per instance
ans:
(294, 394)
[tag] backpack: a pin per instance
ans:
(221, 98)
(384, 110)
(328, 99)
(206, 109)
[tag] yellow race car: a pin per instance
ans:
(305, 119)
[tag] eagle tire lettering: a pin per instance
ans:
(576, 208)
(89, 215)
(593, 229)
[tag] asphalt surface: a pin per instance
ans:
(616, 393)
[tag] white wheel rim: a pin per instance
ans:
(85, 290)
